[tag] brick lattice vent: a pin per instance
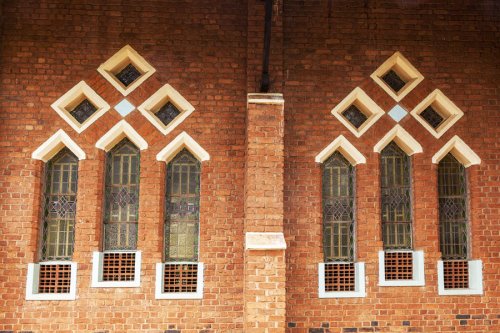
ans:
(398, 265)
(456, 274)
(180, 278)
(340, 277)
(118, 267)
(54, 279)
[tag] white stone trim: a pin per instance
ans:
(404, 69)
(117, 133)
(118, 61)
(182, 140)
(32, 283)
(365, 104)
(263, 98)
(265, 241)
(359, 289)
(159, 294)
(475, 280)
(163, 95)
(97, 262)
(75, 96)
(54, 144)
(442, 105)
(418, 271)
(462, 152)
(345, 148)
(402, 138)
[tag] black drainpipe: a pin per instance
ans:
(264, 83)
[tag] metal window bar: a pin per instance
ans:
(338, 209)
(121, 197)
(59, 207)
(54, 279)
(453, 210)
(182, 208)
(396, 198)
(180, 278)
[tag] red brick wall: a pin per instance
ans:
(331, 47)
(210, 52)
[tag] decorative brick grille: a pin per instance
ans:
(340, 277)
(128, 75)
(398, 265)
(180, 278)
(54, 279)
(432, 117)
(456, 274)
(118, 266)
(393, 80)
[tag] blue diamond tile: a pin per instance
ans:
(124, 107)
(397, 113)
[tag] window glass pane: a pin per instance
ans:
(122, 197)
(338, 209)
(59, 206)
(182, 208)
(396, 198)
(453, 219)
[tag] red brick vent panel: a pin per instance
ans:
(54, 279)
(180, 278)
(340, 277)
(398, 266)
(118, 267)
(456, 274)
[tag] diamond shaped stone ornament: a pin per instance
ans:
(124, 107)
(397, 113)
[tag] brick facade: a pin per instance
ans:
(211, 54)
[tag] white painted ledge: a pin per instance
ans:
(32, 283)
(265, 241)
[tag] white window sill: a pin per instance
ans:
(159, 294)
(32, 283)
(418, 271)
(97, 262)
(475, 280)
(360, 291)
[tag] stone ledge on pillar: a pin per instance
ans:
(263, 98)
(265, 241)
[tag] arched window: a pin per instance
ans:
(59, 207)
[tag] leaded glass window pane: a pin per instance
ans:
(122, 197)
(59, 207)
(453, 217)
(396, 198)
(182, 208)
(338, 209)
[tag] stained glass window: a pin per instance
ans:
(396, 198)
(453, 219)
(182, 208)
(121, 197)
(338, 209)
(59, 206)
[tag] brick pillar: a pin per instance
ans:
(264, 240)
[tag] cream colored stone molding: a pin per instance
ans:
(54, 144)
(117, 133)
(365, 104)
(182, 140)
(404, 69)
(265, 241)
(164, 95)
(402, 138)
(121, 59)
(345, 148)
(32, 281)
(261, 98)
(67, 102)
(444, 107)
(462, 152)
(159, 294)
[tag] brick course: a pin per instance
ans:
(211, 53)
